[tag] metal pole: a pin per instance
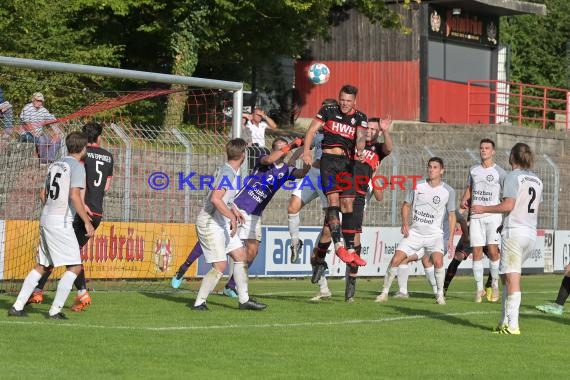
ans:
(119, 73)
(236, 114)
(555, 192)
(128, 164)
(394, 157)
(184, 141)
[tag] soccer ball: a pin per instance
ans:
(319, 73)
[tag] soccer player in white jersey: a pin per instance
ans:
(425, 207)
(216, 226)
(61, 197)
(484, 189)
(522, 194)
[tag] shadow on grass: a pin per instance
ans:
(449, 318)
(189, 298)
(32, 309)
(530, 311)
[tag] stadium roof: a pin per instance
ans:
(494, 7)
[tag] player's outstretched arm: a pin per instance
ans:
(309, 136)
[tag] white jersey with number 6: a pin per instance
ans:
(62, 176)
(526, 188)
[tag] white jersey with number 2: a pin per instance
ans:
(526, 188)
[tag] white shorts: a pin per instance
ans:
(414, 243)
(58, 246)
(215, 239)
(309, 188)
(251, 228)
(483, 231)
(515, 250)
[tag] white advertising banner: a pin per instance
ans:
(548, 251)
(378, 247)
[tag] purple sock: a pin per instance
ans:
(231, 283)
(193, 256)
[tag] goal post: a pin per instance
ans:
(236, 87)
(146, 232)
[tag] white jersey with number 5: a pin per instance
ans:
(526, 188)
(62, 176)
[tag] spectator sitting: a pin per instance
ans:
(6, 114)
(32, 117)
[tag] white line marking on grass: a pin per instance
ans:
(434, 315)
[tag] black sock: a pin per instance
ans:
(489, 282)
(450, 272)
(333, 220)
(80, 282)
(350, 288)
(564, 291)
(348, 229)
(43, 280)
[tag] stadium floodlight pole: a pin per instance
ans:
(237, 87)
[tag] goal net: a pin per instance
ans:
(147, 228)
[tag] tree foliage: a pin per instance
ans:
(220, 39)
(540, 45)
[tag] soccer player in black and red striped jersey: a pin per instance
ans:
(344, 130)
(364, 170)
(99, 173)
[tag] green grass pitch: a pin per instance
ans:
(138, 335)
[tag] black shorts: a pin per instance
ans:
(358, 212)
(336, 175)
(362, 175)
(80, 231)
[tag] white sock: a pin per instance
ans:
(294, 221)
(28, 287)
(241, 278)
(478, 274)
(81, 292)
(231, 265)
(208, 284)
(439, 279)
(513, 306)
(403, 274)
(504, 320)
(430, 276)
(389, 278)
(62, 292)
(323, 285)
(494, 269)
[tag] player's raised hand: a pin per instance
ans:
(386, 123)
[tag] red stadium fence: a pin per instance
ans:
(519, 104)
